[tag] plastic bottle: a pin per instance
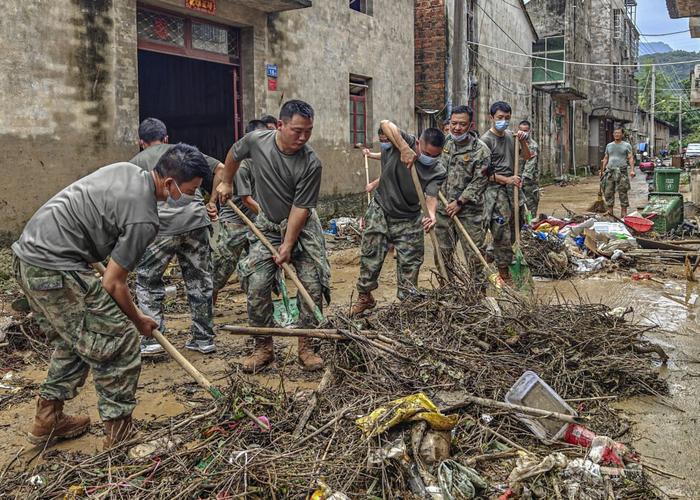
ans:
(580, 435)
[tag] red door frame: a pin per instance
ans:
(203, 55)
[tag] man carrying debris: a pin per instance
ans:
(498, 198)
(530, 171)
(618, 157)
(185, 227)
(394, 215)
(232, 240)
(466, 161)
(287, 176)
(95, 325)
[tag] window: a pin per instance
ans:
(161, 28)
(550, 69)
(364, 6)
(617, 78)
(617, 24)
(358, 110)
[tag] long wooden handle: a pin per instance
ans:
(369, 195)
(516, 193)
(286, 267)
(431, 233)
(174, 353)
(464, 232)
(574, 419)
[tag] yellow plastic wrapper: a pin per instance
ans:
(407, 409)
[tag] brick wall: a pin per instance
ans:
(430, 55)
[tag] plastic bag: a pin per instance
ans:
(408, 409)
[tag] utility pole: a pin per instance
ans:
(680, 126)
(652, 146)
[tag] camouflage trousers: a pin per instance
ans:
(531, 193)
(448, 234)
(381, 231)
(88, 331)
(194, 256)
(498, 212)
(617, 180)
(231, 242)
(259, 273)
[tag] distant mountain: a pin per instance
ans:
(676, 72)
(654, 48)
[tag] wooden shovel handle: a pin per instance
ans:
(516, 193)
(369, 195)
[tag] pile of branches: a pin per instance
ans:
(548, 258)
(443, 343)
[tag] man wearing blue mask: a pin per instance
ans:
(466, 160)
(498, 198)
(185, 227)
(394, 215)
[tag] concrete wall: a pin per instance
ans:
(68, 97)
(317, 49)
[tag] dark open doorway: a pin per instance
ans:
(194, 98)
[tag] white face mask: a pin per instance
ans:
(182, 201)
(460, 138)
(501, 125)
(426, 160)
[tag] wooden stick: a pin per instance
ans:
(512, 407)
(516, 193)
(287, 268)
(505, 439)
(369, 195)
(328, 333)
(464, 232)
(322, 386)
(424, 207)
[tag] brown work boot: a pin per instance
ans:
(504, 274)
(51, 424)
(364, 302)
(263, 354)
(117, 430)
(310, 361)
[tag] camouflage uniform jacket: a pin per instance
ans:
(530, 168)
(466, 165)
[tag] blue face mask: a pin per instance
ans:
(385, 145)
(426, 160)
(182, 201)
(460, 138)
(501, 125)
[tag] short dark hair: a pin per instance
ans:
(152, 129)
(183, 163)
(461, 110)
(434, 137)
(255, 125)
(525, 122)
(620, 128)
(296, 107)
(446, 121)
(268, 119)
(500, 106)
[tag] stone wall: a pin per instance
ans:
(431, 53)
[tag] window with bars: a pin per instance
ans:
(617, 78)
(617, 24)
(551, 68)
(364, 6)
(358, 110)
(181, 35)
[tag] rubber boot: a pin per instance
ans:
(364, 302)
(51, 424)
(117, 430)
(309, 360)
(263, 354)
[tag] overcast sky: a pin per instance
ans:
(652, 17)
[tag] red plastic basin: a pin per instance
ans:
(639, 224)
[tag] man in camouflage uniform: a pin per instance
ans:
(184, 233)
(394, 215)
(498, 197)
(92, 324)
(530, 171)
(618, 157)
(232, 240)
(466, 160)
(287, 176)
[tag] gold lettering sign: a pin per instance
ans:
(208, 6)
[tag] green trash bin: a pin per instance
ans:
(667, 180)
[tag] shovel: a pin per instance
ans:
(287, 268)
(519, 270)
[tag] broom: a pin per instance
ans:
(519, 270)
(599, 206)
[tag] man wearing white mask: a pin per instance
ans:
(498, 198)
(394, 215)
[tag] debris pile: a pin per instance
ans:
(392, 417)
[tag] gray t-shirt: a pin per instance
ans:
(618, 154)
(502, 151)
(396, 193)
(176, 220)
(281, 180)
(243, 186)
(111, 212)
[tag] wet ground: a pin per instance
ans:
(664, 431)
